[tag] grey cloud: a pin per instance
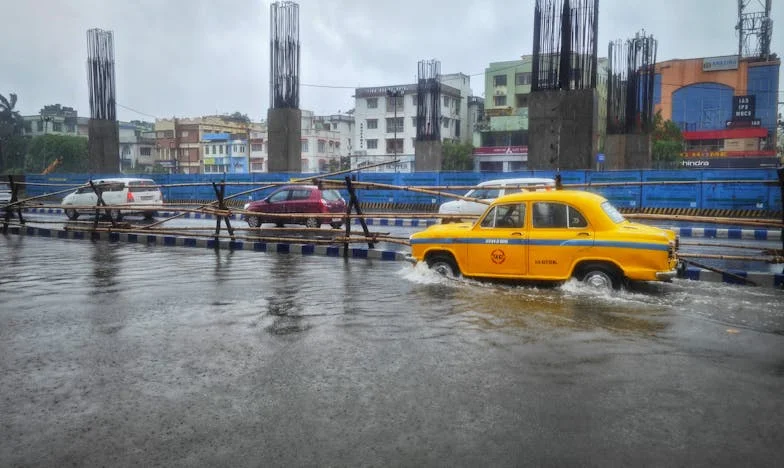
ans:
(194, 57)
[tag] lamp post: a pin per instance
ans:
(394, 95)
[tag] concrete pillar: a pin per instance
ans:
(628, 151)
(284, 133)
(562, 126)
(427, 156)
(103, 146)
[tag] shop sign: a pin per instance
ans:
(725, 62)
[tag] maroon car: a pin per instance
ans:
(306, 199)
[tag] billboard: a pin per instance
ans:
(724, 62)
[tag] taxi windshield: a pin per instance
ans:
(613, 212)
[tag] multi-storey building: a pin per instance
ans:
(55, 120)
(180, 143)
(502, 143)
(137, 143)
(385, 121)
(726, 108)
(325, 140)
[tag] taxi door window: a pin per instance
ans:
(550, 215)
(505, 216)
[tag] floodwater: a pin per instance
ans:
(117, 354)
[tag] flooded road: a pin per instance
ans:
(116, 354)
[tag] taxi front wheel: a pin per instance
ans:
(444, 265)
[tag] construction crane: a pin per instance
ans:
(51, 167)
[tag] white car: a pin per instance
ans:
(118, 191)
(490, 190)
(5, 194)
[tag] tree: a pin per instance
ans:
(44, 149)
(667, 142)
(11, 126)
(238, 117)
(457, 156)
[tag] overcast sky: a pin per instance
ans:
(194, 57)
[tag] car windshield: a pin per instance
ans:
(330, 195)
(613, 212)
(483, 194)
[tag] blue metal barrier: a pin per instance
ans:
(703, 193)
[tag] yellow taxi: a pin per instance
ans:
(550, 236)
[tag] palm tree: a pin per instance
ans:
(11, 123)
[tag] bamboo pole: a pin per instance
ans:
(723, 272)
(731, 257)
(706, 219)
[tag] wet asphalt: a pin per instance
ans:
(132, 355)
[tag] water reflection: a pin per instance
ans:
(283, 304)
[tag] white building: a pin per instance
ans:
(137, 145)
(325, 139)
(386, 121)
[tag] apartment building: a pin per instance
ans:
(385, 121)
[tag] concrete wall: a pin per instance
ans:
(103, 146)
(284, 132)
(428, 156)
(562, 127)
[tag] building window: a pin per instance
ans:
(499, 80)
(220, 148)
(446, 122)
(413, 122)
(457, 128)
(414, 100)
(372, 143)
(257, 166)
(446, 102)
(372, 103)
(522, 79)
(256, 146)
(305, 148)
(372, 124)
(57, 126)
(395, 125)
(499, 100)
(322, 146)
(394, 146)
(185, 133)
(522, 100)
(395, 104)
(145, 151)
(28, 126)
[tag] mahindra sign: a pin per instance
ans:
(499, 150)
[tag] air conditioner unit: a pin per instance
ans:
(498, 92)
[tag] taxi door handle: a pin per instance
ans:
(516, 234)
(583, 234)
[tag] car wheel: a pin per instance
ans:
(71, 214)
(148, 215)
(336, 225)
(444, 265)
(313, 223)
(600, 277)
(254, 221)
(115, 215)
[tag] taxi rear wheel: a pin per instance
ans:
(254, 221)
(600, 276)
(444, 265)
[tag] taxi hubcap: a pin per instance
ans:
(598, 280)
